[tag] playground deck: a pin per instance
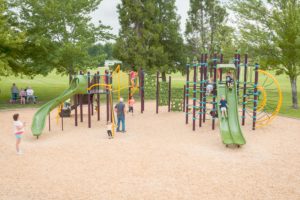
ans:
(158, 158)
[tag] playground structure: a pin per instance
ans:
(259, 94)
(89, 87)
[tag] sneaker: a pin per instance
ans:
(20, 153)
(123, 131)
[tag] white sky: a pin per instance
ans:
(107, 13)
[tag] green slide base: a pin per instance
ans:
(77, 86)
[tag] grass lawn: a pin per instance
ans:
(46, 88)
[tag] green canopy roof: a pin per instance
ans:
(227, 66)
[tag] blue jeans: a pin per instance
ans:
(121, 119)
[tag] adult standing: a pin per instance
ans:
(14, 92)
(120, 109)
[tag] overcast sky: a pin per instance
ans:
(107, 13)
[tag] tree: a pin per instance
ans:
(59, 35)
(103, 52)
(149, 35)
(206, 28)
(11, 42)
(272, 29)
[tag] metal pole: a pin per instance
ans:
(81, 102)
(142, 90)
(111, 93)
(89, 102)
(214, 90)
(204, 87)
(170, 94)
(221, 70)
(76, 104)
(107, 96)
(184, 91)
(245, 89)
(187, 93)
(98, 96)
(201, 89)
(194, 94)
(157, 92)
(238, 74)
(255, 96)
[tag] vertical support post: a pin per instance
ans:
(184, 91)
(204, 87)
(49, 122)
(245, 89)
(93, 81)
(142, 81)
(238, 74)
(98, 96)
(201, 90)
(81, 102)
(214, 91)
(157, 92)
(130, 86)
(89, 100)
(170, 94)
(62, 120)
(187, 93)
(111, 93)
(221, 70)
(107, 95)
(255, 97)
(194, 93)
(76, 105)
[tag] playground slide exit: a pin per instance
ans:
(230, 128)
(77, 86)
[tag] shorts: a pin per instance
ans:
(223, 109)
(130, 109)
(19, 135)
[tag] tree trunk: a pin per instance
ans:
(294, 92)
(163, 76)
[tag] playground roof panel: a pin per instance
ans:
(227, 66)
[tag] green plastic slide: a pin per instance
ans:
(77, 86)
(230, 128)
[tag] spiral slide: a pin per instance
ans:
(77, 86)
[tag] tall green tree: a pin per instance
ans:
(272, 29)
(150, 35)
(102, 51)
(206, 28)
(11, 41)
(59, 34)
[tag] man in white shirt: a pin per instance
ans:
(30, 94)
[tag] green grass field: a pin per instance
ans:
(48, 87)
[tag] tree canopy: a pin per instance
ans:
(272, 30)
(150, 35)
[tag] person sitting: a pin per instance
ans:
(223, 107)
(209, 87)
(14, 93)
(30, 95)
(22, 96)
(229, 80)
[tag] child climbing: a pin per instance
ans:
(223, 107)
(131, 102)
(229, 80)
(18, 131)
(132, 75)
(109, 132)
